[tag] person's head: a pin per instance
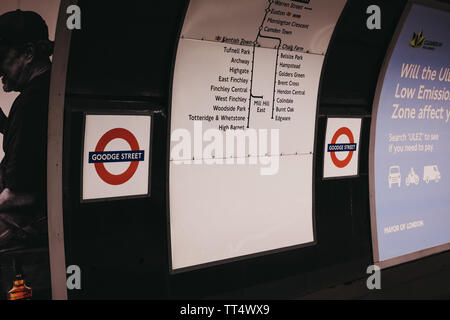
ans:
(24, 46)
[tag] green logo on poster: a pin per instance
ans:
(417, 40)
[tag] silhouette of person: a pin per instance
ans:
(25, 66)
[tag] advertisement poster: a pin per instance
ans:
(243, 115)
(27, 30)
(341, 155)
(411, 148)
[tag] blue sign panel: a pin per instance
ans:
(116, 156)
(343, 147)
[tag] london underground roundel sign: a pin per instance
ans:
(100, 156)
(344, 147)
(341, 147)
(116, 156)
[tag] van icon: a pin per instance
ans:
(395, 176)
(431, 173)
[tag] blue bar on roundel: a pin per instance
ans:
(116, 156)
(342, 147)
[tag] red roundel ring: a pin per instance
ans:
(342, 163)
(116, 179)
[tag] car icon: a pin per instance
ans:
(431, 173)
(395, 176)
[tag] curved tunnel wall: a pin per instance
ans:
(123, 61)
